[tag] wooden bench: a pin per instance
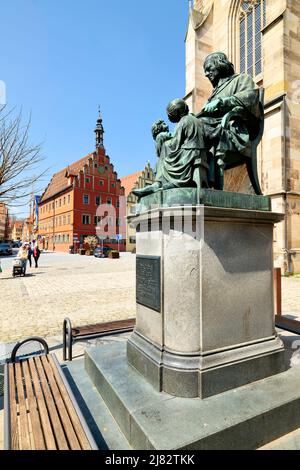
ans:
(40, 410)
(73, 334)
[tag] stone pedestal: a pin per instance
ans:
(205, 316)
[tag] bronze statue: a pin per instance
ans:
(233, 120)
(160, 133)
(179, 154)
(223, 135)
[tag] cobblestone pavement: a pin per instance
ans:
(87, 289)
(84, 288)
(291, 297)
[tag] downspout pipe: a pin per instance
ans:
(286, 249)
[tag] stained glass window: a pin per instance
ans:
(252, 21)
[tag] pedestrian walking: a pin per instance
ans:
(30, 253)
(36, 255)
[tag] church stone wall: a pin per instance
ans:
(213, 26)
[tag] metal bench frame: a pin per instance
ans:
(69, 338)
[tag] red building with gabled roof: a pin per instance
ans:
(71, 206)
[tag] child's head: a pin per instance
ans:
(176, 109)
(158, 127)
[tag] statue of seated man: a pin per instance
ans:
(178, 153)
(201, 140)
(230, 91)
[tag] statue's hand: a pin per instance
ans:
(212, 107)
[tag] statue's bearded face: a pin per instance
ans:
(212, 72)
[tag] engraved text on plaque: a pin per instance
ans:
(148, 281)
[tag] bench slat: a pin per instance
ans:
(67, 423)
(103, 327)
(23, 415)
(13, 408)
(37, 428)
(52, 411)
(46, 424)
(82, 438)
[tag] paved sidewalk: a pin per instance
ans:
(84, 288)
(87, 289)
(291, 297)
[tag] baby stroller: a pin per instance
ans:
(19, 267)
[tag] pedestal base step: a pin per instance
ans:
(104, 428)
(244, 418)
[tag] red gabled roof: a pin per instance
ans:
(129, 182)
(59, 181)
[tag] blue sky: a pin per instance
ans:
(59, 59)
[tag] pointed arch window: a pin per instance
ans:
(252, 21)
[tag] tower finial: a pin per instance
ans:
(99, 131)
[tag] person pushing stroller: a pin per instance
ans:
(20, 263)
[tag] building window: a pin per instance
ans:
(60, 203)
(59, 221)
(64, 220)
(108, 200)
(68, 237)
(101, 182)
(98, 200)
(69, 198)
(85, 199)
(113, 185)
(86, 219)
(52, 205)
(97, 219)
(64, 200)
(69, 219)
(252, 21)
(132, 240)
(87, 180)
